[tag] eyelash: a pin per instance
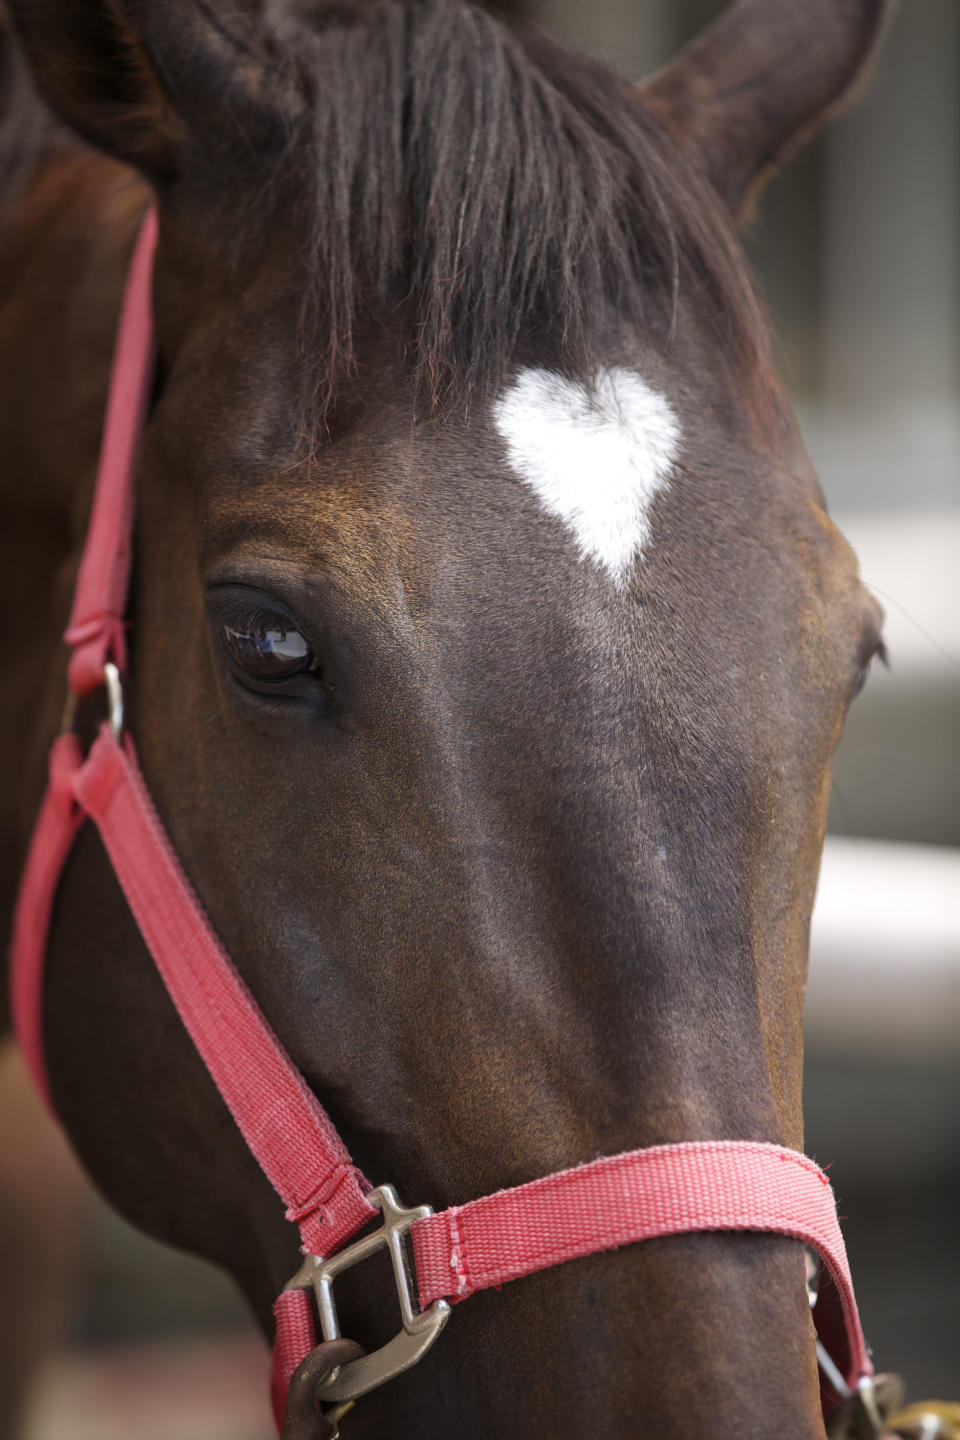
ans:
(247, 616)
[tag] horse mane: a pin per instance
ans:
(472, 180)
(497, 190)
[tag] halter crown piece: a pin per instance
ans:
(617, 1200)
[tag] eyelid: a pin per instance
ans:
(242, 607)
(248, 612)
(258, 621)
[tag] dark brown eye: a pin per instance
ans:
(268, 653)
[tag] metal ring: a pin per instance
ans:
(114, 686)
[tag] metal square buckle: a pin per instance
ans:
(420, 1327)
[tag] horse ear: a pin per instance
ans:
(135, 77)
(93, 69)
(759, 81)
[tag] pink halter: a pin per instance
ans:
(619, 1199)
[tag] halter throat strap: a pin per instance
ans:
(614, 1201)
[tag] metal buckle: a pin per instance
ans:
(420, 1327)
(114, 688)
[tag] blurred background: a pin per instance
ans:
(857, 248)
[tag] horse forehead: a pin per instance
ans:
(597, 477)
(594, 456)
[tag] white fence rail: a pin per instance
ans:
(885, 952)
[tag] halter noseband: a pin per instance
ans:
(613, 1201)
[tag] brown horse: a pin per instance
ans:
(490, 642)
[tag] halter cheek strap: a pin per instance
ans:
(617, 1200)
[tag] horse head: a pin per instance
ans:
(490, 642)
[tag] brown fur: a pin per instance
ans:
(529, 879)
(757, 83)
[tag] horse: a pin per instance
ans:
(489, 642)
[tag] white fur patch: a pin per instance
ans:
(595, 461)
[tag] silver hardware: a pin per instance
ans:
(833, 1375)
(824, 1360)
(812, 1263)
(420, 1327)
(863, 1400)
(867, 1395)
(114, 685)
(69, 713)
(860, 1416)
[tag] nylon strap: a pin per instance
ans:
(678, 1189)
(280, 1118)
(665, 1190)
(54, 832)
(638, 1195)
(96, 628)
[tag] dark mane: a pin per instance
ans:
(497, 190)
(476, 184)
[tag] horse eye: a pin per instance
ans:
(269, 654)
